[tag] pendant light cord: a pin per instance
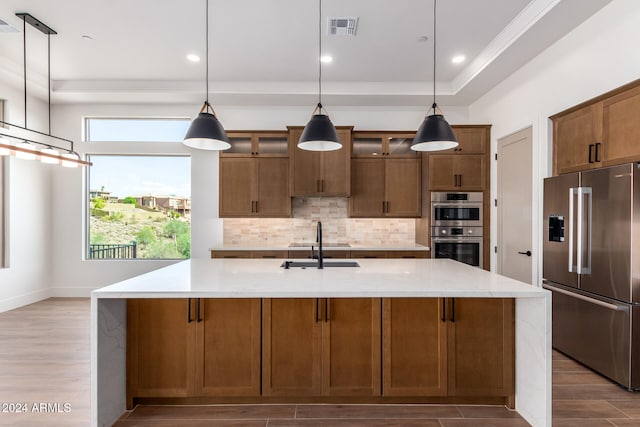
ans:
(319, 55)
(24, 66)
(434, 57)
(206, 37)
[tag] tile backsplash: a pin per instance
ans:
(336, 226)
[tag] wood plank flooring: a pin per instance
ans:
(44, 359)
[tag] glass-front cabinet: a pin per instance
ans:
(374, 144)
(270, 144)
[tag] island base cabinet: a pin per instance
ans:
(321, 347)
(414, 347)
(192, 348)
(481, 342)
(457, 347)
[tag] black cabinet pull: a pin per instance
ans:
(199, 317)
(383, 207)
(189, 320)
(444, 310)
(317, 311)
(322, 185)
(527, 253)
(326, 309)
(257, 206)
(598, 151)
(453, 310)
(591, 146)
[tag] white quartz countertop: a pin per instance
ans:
(352, 247)
(264, 278)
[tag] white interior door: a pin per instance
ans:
(515, 177)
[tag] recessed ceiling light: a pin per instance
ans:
(458, 59)
(326, 58)
(193, 58)
(87, 38)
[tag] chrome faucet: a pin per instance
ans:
(319, 240)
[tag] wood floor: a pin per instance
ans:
(44, 367)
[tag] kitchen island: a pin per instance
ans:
(266, 280)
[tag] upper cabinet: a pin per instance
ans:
(254, 176)
(320, 173)
(463, 168)
(600, 132)
(385, 176)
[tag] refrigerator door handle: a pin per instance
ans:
(584, 237)
(572, 194)
(586, 298)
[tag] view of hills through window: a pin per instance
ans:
(139, 207)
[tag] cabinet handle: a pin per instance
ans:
(199, 317)
(252, 207)
(591, 146)
(383, 207)
(387, 203)
(444, 310)
(453, 310)
(317, 311)
(257, 206)
(598, 151)
(322, 188)
(189, 320)
(460, 180)
(326, 309)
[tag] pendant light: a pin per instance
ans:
(205, 131)
(319, 134)
(434, 133)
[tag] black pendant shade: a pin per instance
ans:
(319, 135)
(206, 133)
(434, 134)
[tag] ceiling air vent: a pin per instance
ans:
(342, 26)
(6, 28)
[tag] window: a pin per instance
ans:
(138, 130)
(139, 207)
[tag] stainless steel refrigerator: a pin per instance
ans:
(591, 263)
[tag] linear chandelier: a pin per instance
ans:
(24, 148)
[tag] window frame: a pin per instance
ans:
(87, 119)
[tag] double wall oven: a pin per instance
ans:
(456, 226)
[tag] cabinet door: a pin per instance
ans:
(574, 136)
(291, 347)
(442, 172)
(160, 348)
(228, 347)
(481, 347)
(402, 187)
(367, 188)
(305, 174)
(621, 128)
(273, 187)
(471, 140)
(471, 172)
(336, 167)
(414, 345)
(236, 186)
(351, 347)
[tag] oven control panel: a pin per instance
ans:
(456, 231)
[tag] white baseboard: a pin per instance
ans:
(26, 299)
(71, 292)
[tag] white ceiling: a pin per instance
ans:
(264, 52)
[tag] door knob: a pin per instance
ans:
(527, 253)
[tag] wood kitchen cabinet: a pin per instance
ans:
(385, 187)
(193, 347)
(601, 132)
(459, 172)
(320, 173)
(321, 347)
(380, 144)
(254, 176)
(448, 347)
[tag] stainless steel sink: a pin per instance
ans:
(314, 264)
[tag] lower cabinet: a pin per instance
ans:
(321, 347)
(448, 347)
(193, 347)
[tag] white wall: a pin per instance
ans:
(27, 278)
(75, 276)
(598, 56)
